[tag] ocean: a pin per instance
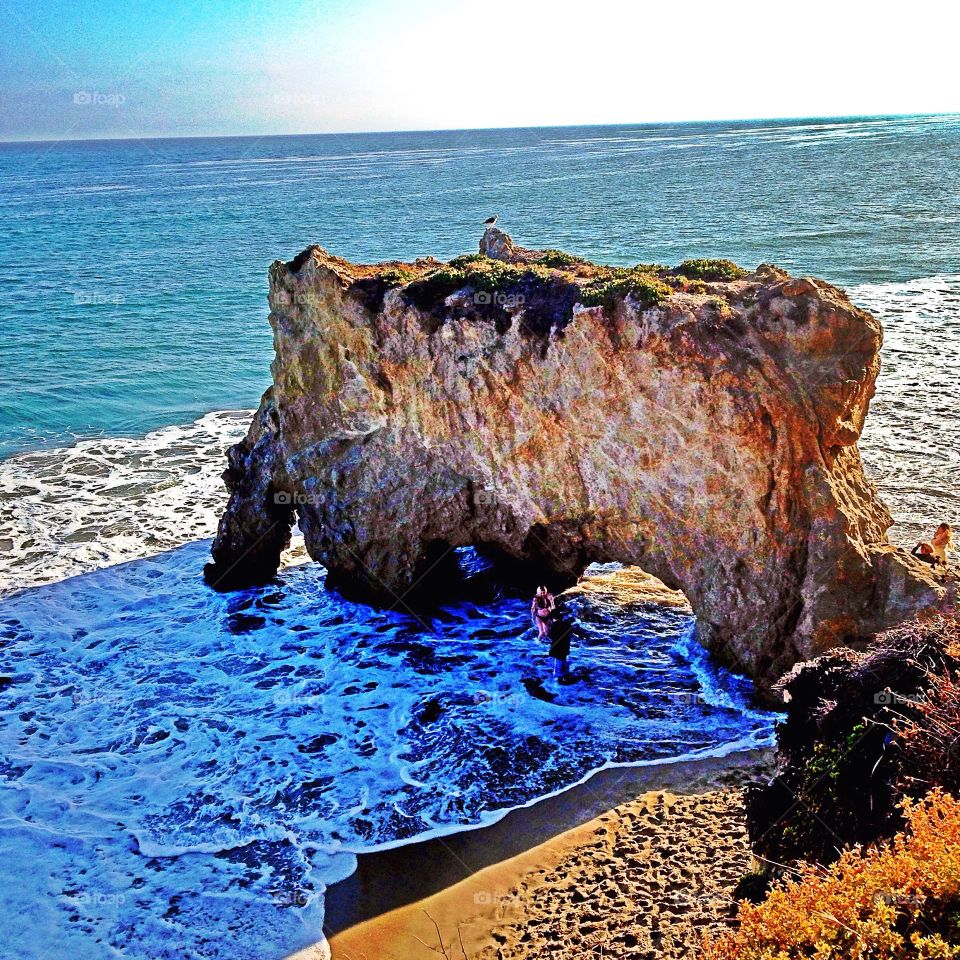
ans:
(183, 773)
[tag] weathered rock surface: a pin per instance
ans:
(705, 431)
(845, 758)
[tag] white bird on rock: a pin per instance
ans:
(490, 221)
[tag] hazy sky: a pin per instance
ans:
(89, 68)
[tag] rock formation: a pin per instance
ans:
(699, 422)
(863, 729)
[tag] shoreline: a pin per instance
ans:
(470, 882)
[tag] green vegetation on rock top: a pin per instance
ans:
(593, 285)
(711, 270)
(476, 271)
(619, 282)
(551, 282)
(398, 277)
(559, 259)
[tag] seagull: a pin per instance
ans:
(490, 221)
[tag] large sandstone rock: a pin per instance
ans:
(709, 438)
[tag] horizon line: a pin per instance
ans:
(553, 126)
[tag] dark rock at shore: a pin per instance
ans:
(845, 754)
(255, 528)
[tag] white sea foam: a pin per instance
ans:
(911, 443)
(70, 510)
(184, 772)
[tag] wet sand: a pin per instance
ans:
(637, 862)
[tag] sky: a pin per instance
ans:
(126, 68)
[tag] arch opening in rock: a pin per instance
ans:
(699, 423)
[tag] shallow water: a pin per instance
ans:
(186, 771)
(70, 510)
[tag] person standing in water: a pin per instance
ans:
(942, 542)
(561, 630)
(541, 610)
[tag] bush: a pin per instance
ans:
(543, 287)
(598, 285)
(929, 733)
(476, 271)
(898, 901)
(692, 286)
(467, 260)
(398, 277)
(619, 282)
(558, 259)
(711, 270)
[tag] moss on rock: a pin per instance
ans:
(544, 286)
(711, 269)
(637, 283)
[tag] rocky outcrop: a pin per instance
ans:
(699, 422)
(255, 529)
(863, 729)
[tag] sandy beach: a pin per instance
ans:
(640, 862)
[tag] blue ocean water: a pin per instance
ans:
(182, 773)
(133, 273)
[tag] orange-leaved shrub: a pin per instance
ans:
(896, 901)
